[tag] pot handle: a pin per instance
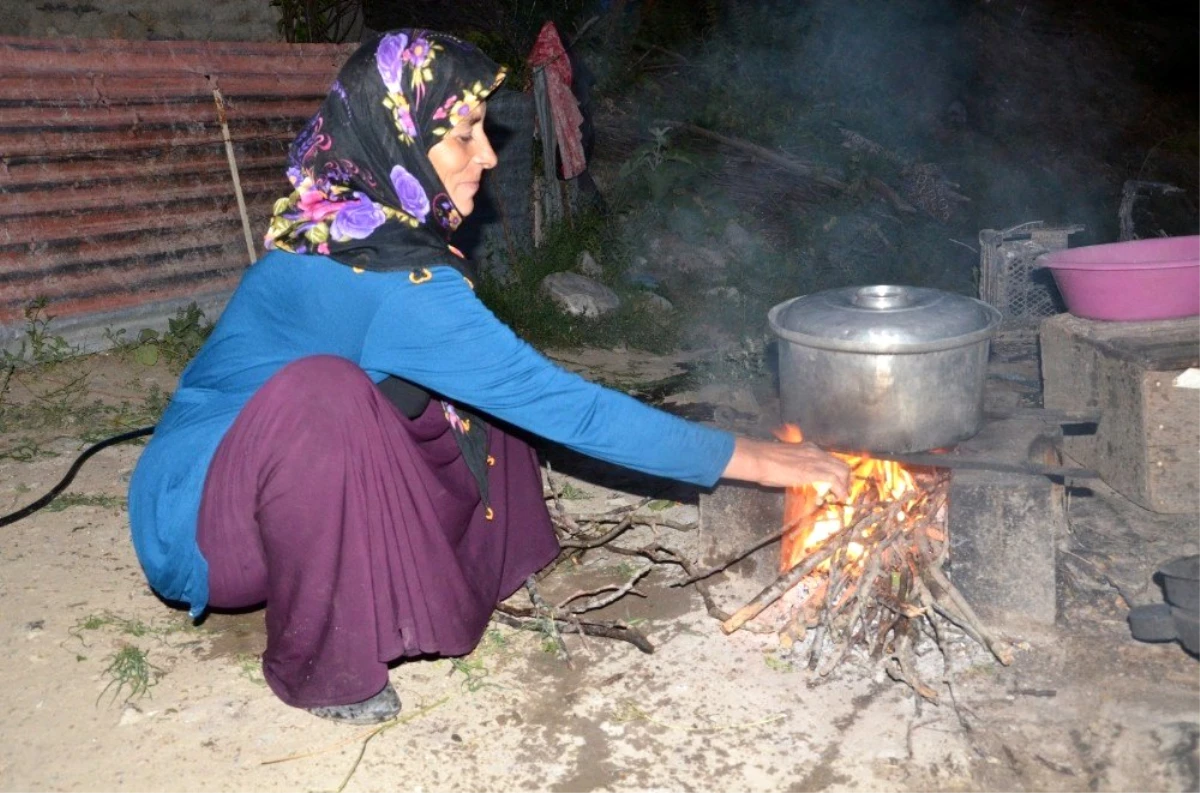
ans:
(881, 298)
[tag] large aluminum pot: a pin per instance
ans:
(884, 368)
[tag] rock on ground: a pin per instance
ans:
(579, 295)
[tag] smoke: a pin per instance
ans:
(1031, 110)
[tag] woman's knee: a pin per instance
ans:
(321, 381)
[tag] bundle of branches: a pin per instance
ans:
(876, 584)
(578, 534)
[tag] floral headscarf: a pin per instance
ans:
(366, 193)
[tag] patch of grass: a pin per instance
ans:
(494, 640)
(26, 450)
(55, 388)
(128, 626)
(129, 669)
(39, 347)
(775, 663)
(474, 672)
(185, 334)
(69, 500)
(572, 493)
(250, 667)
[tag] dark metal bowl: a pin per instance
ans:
(1181, 583)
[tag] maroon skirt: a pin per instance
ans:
(362, 531)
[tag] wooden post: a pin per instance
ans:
(550, 199)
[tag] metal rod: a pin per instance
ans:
(954, 462)
(1092, 416)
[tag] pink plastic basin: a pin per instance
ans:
(1130, 281)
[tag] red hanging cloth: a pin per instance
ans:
(548, 52)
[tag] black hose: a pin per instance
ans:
(74, 469)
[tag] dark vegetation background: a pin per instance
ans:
(1031, 109)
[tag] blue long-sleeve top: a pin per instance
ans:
(436, 334)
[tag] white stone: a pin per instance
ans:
(579, 295)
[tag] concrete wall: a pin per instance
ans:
(209, 20)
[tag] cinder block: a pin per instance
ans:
(1147, 444)
(1005, 528)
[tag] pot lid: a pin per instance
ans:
(884, 319)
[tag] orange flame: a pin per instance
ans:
(815, 519)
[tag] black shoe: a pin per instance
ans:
(382, 707)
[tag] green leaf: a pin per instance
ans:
(146, 354)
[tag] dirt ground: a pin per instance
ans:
(1083, 707)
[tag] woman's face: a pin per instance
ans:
(461, 157)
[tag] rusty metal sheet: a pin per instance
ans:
(134, 138)
(115, 189)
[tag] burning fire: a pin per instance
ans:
(865, 568)
(815, 519)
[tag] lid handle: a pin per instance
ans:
(879, 298)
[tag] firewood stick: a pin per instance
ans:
(951, 605)
(558, 505)
(603, 630)
(710, 605)
(660, 555)
(639, 519)
(863, 590)
(775, 590)
(947, 665)
(611, 594)
(789, 579)
(903, 671)
(835, 578)
(1003, 653)
(738, 556)
(613, 515)
(622, 526)
(616, 531)
(859, 589)
(551, 627)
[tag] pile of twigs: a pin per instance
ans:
(876, 585)
(578, 534)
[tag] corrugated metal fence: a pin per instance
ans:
(117, 199)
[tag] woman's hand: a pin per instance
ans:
(777, 464)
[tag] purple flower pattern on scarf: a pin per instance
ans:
(446, 214)
(412, 196)
(456, 421)
(419, 53)
(389, 59)
(356, 219)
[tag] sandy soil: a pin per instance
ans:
(1083, 707)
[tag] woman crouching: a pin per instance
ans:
(327, 452)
